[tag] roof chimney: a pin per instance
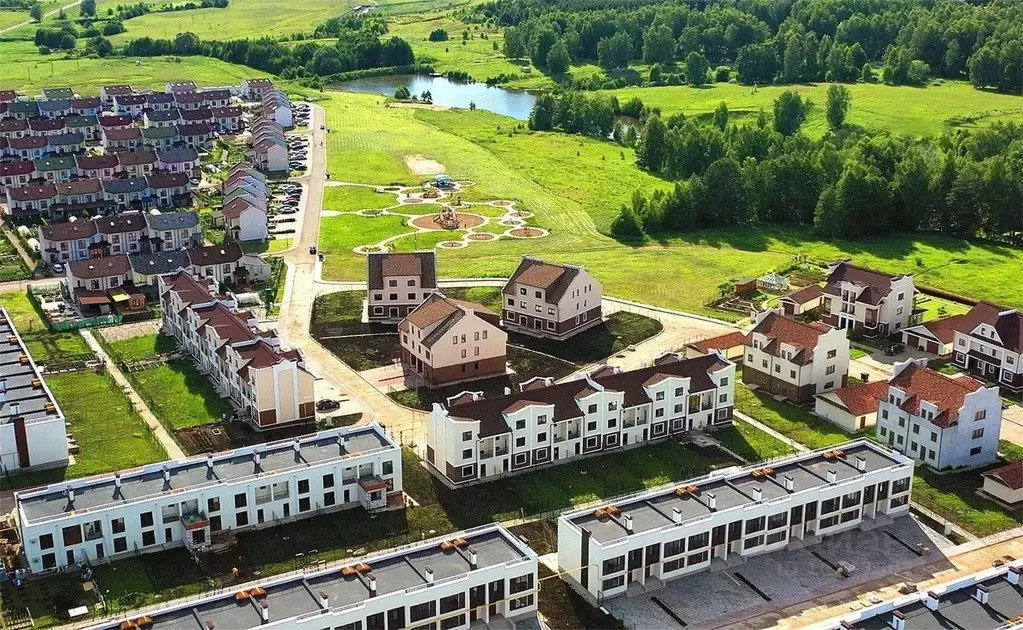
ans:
(676, 515)
(507, 390)
(899, 620)
(790, 483)
(982, 594)
(429, 574)
(861, 464)
(712, 501)
(1013, 575)
(832, 476)
(628, 522)
(473, 558)
(264, 610)
(166, 474)
(373, 584)
(324, 600)
(758, 493)
(932, 600)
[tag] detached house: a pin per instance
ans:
(938, 420)
(447, 341)
(788, 358)
(268, 384)
(989, 344)
(879, 303)
(398, 283)
(476, 439)
(245, 221)
(551, 300)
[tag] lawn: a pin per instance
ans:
(23, 312)
(935, 307)
(340, 313)
(179, 395)
(920, 111)
(750, 443)
(618, 331)
(796, 423)
(365, 352)
(275, 246)
(857, 353)
(109, 432)
(954, 496)
(43, 345)
(138, 348)
(347, 198)
(344, 232)
(574, 185)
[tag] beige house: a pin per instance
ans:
(398, 283)
(267, 384)
(853, 408)
(549, 300)
(1005, 485)
(802, 301)
(879, 303)
(789, 358)
(448, 341)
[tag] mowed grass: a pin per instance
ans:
(347, 198)
(900, 110)
(795, 423)
(141, 347)
(576, 196)
(476, 56)
(110, 434)
(179, 395)
(43, 345)
(344, 232)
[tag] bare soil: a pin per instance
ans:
(420, 165)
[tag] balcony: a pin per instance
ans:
(501, 451)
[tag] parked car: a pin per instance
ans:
(312, 250)
(894, 349)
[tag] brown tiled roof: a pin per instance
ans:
(130, 99)
(721, 342)
(80, 187)
(46, 124)
(947, 394)
(194, 129)
(227, 112)
(68, 231)
(13, 124)
(804, 295)
(215, 254)
(7, 96)
(83, 102)
(115, 121)
(262, 355)
(188, 289)
(216, 94)
(441, 312)
(489, 411)
(22, 167)
(1008, 325)
(100, 267)
(385, 264)
(876, 285)
(32, 193)
(863, 398)
(203, 113)
(942, 329)
(781, 330)
(28, 142)
(107, 160)
(166, 180)
(137, 158)
(236, 207)
(1011, 476)
(129, 133)
(190, 97)
(554, 279)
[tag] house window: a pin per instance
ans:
(541, 437)
(978, 433)
(541, 419)
(466, 436)
(520, 442)
(520, 424)
(511, 301)
(659, 412)
(328, 480)
(591, 409)
(467, 453)
(723, 398)
(659, 396)
(832, 354)
(934, 436)
(829, 370)
(792, 374)
(975, 450)
(980, 415)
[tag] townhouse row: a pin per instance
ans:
(192, 502)
(268, 385)
(244, 213)
(66, 168)
(92, 196)
(128, 233)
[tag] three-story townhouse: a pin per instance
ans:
(988, 343)
(879, 303)
(398, 283)
(550, 300)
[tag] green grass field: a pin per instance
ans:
(43, 345)
(138, 348)
(347, 198)
(178, 395)
(342, 233)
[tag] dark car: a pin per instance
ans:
(327, 404)
(894, 349)
(312, 250)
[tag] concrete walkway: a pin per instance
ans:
(173, 450)
(768, 430)
(14, 27)
(13, 238)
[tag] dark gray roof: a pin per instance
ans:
(54, 105)
(58, 92)
(81, 121)
(158, 263)
(172, 220)
(156, 133)
(162, 115)
(186, 474)
(19, 378)
(177, 155)
(121, 223)
(65, 139)
(123, 186)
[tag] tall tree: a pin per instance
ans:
(790, 110)
(36, 12)
(696, 68)
(557, 58)
(658, 45)
(721, 116)
(653, 145)
(615, 52)
(88, 7)
(839, 102)
(543, 40)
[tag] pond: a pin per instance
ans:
(514, 103)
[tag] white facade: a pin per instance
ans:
(988, 342)
(879, 303)
(33, 434)
(477, 439)
(937, 420)
(186, 502)
(549, 300)
(690, 526)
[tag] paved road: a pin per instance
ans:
(13, 27)
(301, 289)
(173, 450)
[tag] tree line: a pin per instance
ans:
(847, 184)
(773, 41)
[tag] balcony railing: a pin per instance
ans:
(501, 451)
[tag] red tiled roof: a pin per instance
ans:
(781, 330)
(98, 162)
(129, 133)
(863, 398)
(1011, 476)
(32, 193)
(13, 124)
(115, 121)
(236, 207)
(24, 167)
(100, 267)
(28, 142)
(804, 295)
(876, 285)
(1008, 323)
(946, 393)
(721, 342)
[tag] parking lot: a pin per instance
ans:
(783, 578)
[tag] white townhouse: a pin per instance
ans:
(245, 221)
(988, 343)
(879, 303)
(483, 577)
(549, 300)
(716, 520)
(398, 283)
(33, 434)
(938, 420)
(474, 438)
(252, 89)
(268, 384)
(790, 358)
(187, 502)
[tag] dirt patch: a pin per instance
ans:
(452, 244)
(130, 331)
(419, 165)
(329, 213)
(527, 233)
(482, 236)
(414, 105)
(432, 222)
(210, 438)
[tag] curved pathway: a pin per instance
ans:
(14, 27)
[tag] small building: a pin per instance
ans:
(65, 143)
(178, 160)
(252, 89)
(29, 202)
(271, 154)
(398, 283)
(989, 344)
(446, 341)
(103, 166)
(854, 407)
(802, 301)
(773, 283)
(728, 344)
(33, 434)
(789, 358)
(245, 221)
(1005, 485)
(551, 300)
(137, 163)
(172, 231)
(936, 336)
(221, 263)
(938, 420)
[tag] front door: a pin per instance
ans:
(493, 610)
(625, 439)
(473, 615)
(644, 435)
(483, 470)
(394, 311)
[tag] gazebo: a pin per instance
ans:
(773, 283)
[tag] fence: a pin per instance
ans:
(88, 322)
